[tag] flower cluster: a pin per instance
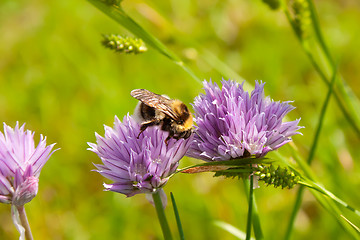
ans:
(20, 164)
(233, 124)
(137, 163)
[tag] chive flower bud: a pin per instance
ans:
(124, 44)
(278, 177)
(273, 4)
(20, 164)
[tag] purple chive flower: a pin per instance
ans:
(233, 124)
(20, 164)
(137, 164)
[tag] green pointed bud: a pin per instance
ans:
(228, 174)
(124, 44)
(113, 2)
(273, 4)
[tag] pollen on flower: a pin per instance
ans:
(139, 169)
(157, 161)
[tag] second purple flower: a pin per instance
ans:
(231, 123)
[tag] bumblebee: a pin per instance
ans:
(171, 114)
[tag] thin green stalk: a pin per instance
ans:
(343, 109)
(177, 216)
(343, 93)
(255, 218)
(318, 34)
(321, 120)
(314, 186)
(322, 190)
(25, 223)
(330, 206)
(224, 69)
(231, 229)
(161, 216)
(119, 15)
(325, 200)
(356, 228)
(310, 158)
(249, 218)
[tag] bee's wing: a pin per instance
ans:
(156, 101)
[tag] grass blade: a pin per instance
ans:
(322, 190)
(231, 229)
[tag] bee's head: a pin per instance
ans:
(185, 116)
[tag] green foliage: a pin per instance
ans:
(57, 78)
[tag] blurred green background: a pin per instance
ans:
(57, 78)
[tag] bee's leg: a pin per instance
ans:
(186, 134)
(179, 135)
(145, 125)
(171, 134)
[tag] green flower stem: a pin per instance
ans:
(161, 216)
(311, 155)
(177, 216)
(322, 190)
(294, 212)
(25, 223)
(119, 15)
(255, 218)
(249, 218)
